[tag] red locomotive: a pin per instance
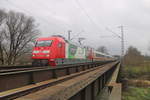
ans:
(56, 50)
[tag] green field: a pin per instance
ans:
(134, 93)
(135, 72)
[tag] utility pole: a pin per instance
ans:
(121, 37)
(69, 37)
(122, 41)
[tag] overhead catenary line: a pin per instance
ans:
(88, 16)
(74, 37)
(109, 30)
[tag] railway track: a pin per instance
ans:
(5, 69)
(8, 69)
(15, 67)
(20, 69)
(51, 82)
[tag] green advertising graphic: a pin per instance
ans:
(72, 51)
(76, 52)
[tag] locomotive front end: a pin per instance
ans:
(48, 51)
(42, 52)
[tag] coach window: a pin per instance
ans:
(59, 45)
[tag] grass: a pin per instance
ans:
(134, 93)
(136, 71)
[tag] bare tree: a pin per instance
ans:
(2, 18)
(19, 33)
(102, 49)
(1, 49)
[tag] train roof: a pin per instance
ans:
(104, 54)
(50, 38)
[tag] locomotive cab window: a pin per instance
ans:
(43, 43)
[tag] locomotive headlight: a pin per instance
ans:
(46, 51)
(36, 51)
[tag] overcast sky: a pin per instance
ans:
(90, 18)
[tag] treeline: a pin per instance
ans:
(134, 57)
(17, 33)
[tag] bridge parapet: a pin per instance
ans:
(115, 93)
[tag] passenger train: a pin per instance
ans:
(56, 50)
